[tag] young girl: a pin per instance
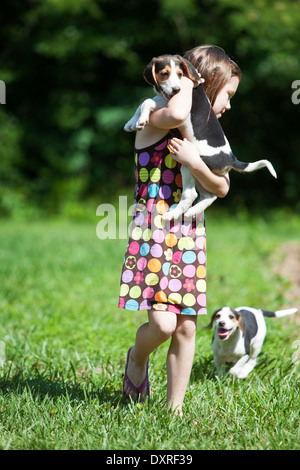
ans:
(164, 270)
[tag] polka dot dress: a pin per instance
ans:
(165, 262)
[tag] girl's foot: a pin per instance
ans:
(136, 382)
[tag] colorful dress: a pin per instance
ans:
(165, 262)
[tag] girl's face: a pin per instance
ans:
(222, 102)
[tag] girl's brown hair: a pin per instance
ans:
(215, 67)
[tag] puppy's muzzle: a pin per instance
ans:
(223, 332)
(175, 90)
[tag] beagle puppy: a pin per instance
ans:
(238, 337)
(202, 128)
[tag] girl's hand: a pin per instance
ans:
(184, 152)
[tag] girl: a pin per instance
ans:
(164, 268)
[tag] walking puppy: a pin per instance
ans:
(238, 337)
(202, 128)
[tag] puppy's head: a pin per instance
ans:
(227, 321)
(165, 73)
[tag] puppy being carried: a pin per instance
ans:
(238, 337)
(202, 128)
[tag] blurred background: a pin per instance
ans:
(73, 76)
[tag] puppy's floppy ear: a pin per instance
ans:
(149, 72)
(209, 326)
(190, 71)
(241, 324)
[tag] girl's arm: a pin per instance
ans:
(186, 153)
(177, 108)
(216, 184)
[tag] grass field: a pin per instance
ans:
(66, 342)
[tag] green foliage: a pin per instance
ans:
(73, 74)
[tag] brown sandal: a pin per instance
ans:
(137, 390)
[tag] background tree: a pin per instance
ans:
(73, 74)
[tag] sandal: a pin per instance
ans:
(137, 390)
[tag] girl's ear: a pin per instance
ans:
(209, 326)
(190, 71)
(149, 72)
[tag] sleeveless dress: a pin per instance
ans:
(164, 266)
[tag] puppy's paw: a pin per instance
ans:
(143, 120)
(141, 123)
(173, 214)
(239, 373)
(170, 215)
(129, 126)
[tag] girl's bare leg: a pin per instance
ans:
(180, 360)
(160, 327)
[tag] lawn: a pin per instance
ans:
(66, 341)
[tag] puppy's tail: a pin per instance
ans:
(249, 167)
(279, 313)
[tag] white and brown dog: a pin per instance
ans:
(202, 128)
(238, 337)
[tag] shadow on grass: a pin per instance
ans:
(84, 385)
(203, 368)
(52, 384)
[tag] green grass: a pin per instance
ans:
(66, 343)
